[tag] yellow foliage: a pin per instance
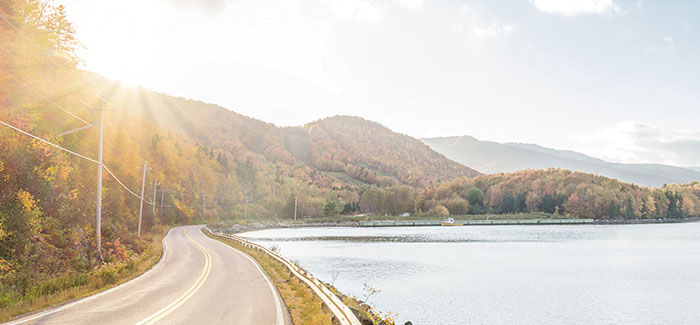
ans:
(27, 200)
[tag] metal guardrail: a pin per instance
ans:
(342, 312)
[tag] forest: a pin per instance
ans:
(208, 164)
(557, 191)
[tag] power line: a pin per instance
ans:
(17, 29)
(73, 153)
(59, 66)
(99, 160)
(41, 95)
(66, 91)
(49, 100)
(47, 142)
(78, 98)
(24, 36)
(124, 186)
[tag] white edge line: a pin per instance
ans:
(167, 310)
(344, 314)
(273, 289)
(99, 294)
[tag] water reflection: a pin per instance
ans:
(509, 274)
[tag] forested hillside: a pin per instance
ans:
(562, 192)
(338, 152)
(326, 165)
(48, 196)
(371, 153)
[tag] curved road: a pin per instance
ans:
(198, 281)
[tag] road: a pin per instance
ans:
(198, 281)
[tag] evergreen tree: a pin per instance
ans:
(476, 201)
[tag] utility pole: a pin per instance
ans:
(295, 208)
(155, 186)
(143, 187)
(98, 208)
(246, 208)
(204, 206)
(162, 193)
(415, 204)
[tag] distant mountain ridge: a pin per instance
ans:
(493, 157)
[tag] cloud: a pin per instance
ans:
(211, 7)
(670, 46)
(412, 4)
(636, 142)
(355, 9)
(577, 7)
(493, 30)
(670, 43)
(474, 27)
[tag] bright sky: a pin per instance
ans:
(615, 79)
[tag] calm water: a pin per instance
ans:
(509, 274)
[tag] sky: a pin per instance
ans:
(615, 79)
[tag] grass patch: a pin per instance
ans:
(365, 313)
(68, 287)
(303, 304)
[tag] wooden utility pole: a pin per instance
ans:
(155, 186)
(143, 187)
(98, 208)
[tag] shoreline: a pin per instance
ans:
(255, 226)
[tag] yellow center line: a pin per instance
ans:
(187, 295)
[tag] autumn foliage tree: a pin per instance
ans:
(566, 193)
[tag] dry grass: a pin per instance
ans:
(102, 278)
(303, 304)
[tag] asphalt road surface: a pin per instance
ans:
(199, 281)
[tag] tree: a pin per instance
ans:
(614, 210)
(519, 202)
(673, 210)
(456, 206)
(476, 201)
(439, 210)
(548, 204)
(333, 206)
(507, 204)
(573, 205)
(63, 34)
(629, 209)
(371, 200)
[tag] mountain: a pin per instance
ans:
(492, 157)
(371, 153)
(335, 152)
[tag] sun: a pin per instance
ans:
(118, 47)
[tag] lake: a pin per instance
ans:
(508, 274)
